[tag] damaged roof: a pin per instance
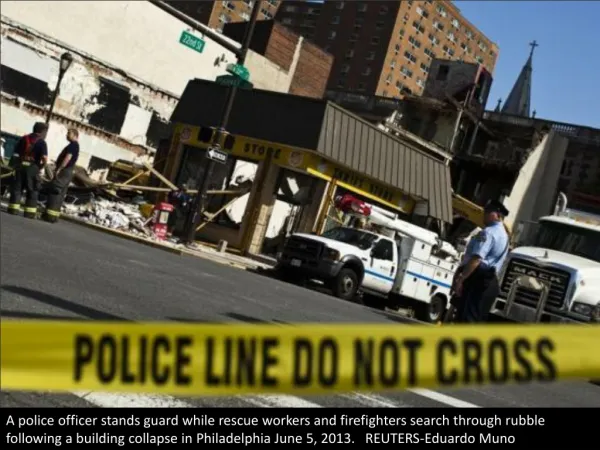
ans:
(327, 128)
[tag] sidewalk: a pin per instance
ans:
(200, 250)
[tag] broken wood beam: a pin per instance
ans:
(160, 176)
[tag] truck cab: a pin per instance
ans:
(405, 264)
(556, 277)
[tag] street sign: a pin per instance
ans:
(238, 70)
(231, 80)
(217, 155)
(191, 41)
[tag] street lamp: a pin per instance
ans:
(65, 62)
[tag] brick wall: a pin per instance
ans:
(312, 71)
(281, 46)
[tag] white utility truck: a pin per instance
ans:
(557, 278)
(401, 262)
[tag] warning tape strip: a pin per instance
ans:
(198, 359)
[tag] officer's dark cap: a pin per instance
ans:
(497, 207)
(39, 127)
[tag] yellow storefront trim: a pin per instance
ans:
(307, 161)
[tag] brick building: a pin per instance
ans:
(310, 64)
(216, 14)
(383, 47)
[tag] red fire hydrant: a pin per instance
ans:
(160, 219)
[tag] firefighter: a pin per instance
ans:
(65, 165)
(476, 282)
(29, 158)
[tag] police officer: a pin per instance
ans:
(65, 165)
(477, 282)
(29, 158)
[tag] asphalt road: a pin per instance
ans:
(66, 271)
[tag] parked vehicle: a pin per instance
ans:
(557, 277)
(405, 264)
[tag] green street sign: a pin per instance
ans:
(238, 70)
(230, 80)
(191, 41)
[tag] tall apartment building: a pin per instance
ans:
(216, 14)
(385, 47)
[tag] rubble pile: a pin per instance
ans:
(111, 214)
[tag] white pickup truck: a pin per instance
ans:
(403, 263)
(557, 278)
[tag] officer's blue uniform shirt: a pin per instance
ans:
(491, 245)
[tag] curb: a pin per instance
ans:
(156, 245)
(138, 239)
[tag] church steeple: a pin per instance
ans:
(518, 102)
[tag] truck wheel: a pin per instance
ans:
(433, 312)
(345, 285)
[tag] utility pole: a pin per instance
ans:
(200, 201)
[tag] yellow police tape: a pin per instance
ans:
(233, 359)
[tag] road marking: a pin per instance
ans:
(279, 401)
(106, 400)
(371, 400)
(443, 398)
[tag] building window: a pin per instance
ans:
(366, 72)
(361, 86)
(339, 5)
(266, 13)
(429, 53)
(244, 15)
(341, 83)
(438, 25)
(287, 21)
(410, 57)
(469, 34)
(420, 83)
(397, 48)
(272, 2)
(379, 25)
(383, 10)
(331, 35)
(249, 3)
(424, 68)
(406, 72)
(493, 55)
(224, 18)
(482, 46)
(350, 54)
(455, 24)
(345, 68)
(418, 28)
(451, 37)
(335, 20)
(479, 59)
(358, 22)
(354, 37)
(435, 41)
(422, 12)
(448, 51)
(375, 40)
(399, 85)
(228, 5)
(393, 64)
(362, 7)
(388, 79)
(291, 9)
(441, 11)
(414, 42)
(401, 32)
(371, 56)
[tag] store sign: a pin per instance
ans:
(364, 184)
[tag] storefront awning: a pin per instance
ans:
(324, 127)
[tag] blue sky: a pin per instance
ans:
(566, 65)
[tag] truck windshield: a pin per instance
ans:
(568, 239)
(358, 238)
